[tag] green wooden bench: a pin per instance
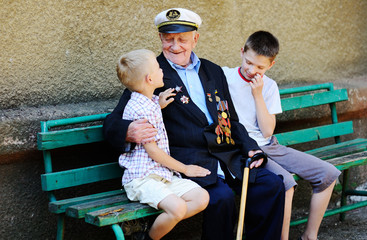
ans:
(343, 155)
(101, 209)
(112, 207)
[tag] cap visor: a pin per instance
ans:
(176, 28)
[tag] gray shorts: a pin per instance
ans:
(285, 160)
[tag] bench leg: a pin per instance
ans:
(118, 232)
(343, 198)
(60, 226)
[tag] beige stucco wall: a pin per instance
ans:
(56, 52)
(57, 59)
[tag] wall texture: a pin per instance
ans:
(57, 59)
(64, 52)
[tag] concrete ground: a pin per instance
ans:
(353, 228)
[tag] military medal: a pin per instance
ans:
(178, 89)
(217, 131)
(184, 99)
(223, 130)
(209, 97)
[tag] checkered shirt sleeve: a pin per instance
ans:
(137, 162)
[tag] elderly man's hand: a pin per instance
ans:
(255, 163)
(140, 131)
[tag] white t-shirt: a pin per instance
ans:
(244, 103)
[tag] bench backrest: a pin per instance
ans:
(49, 139)
(311, 96)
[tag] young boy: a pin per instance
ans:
(151, 175)
(256, 99)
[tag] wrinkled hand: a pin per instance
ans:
(257, 85)
(166, 97)
(140, 131)
(196, 171)
(255, 163)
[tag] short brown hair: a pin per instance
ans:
(132, 67)
(263, 43)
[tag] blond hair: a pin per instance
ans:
(133, 66)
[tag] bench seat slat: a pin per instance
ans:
(339, 149)
(350, 160)
(79, 210)
(315, 99)
(315, 133)
(60, 206)
(69, 137)
(346, 160)
(80, 176)
(120, 213)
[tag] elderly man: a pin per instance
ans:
(203, 129)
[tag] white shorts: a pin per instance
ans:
(153, 189)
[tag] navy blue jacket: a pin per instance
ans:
(192, 140)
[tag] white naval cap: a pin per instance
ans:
(176, 20)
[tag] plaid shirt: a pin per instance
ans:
(137, 162)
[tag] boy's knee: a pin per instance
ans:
(179, 211)
(203, 199)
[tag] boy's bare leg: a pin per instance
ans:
(318, 205)
(196, 200)
(174, 209)
(287, 213)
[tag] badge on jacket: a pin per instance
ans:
(223, 130)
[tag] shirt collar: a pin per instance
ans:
(239, 72)
(195, 63)
(143, 100)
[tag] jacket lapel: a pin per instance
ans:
(172, 80)
(209, 91)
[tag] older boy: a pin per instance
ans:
(152, 176)
(256, 100)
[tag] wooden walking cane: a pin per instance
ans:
(246, 172)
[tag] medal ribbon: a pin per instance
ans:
(224, 124)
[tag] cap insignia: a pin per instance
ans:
(173, 14)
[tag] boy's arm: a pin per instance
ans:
(166, 160)
(265, 120)
(117, 131)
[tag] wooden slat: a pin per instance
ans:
(314, 99)
(340, 149)
(69, 137)
(61, 205)
(75, 120)
(315, 133)
(80, 176)
(350, 160)
(326, 86)
(120, 213)
(79, 210)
